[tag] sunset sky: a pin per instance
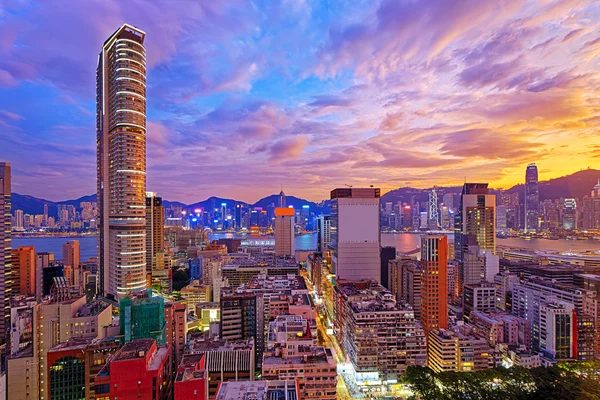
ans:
(244, 97)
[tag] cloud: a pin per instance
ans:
(10, 115)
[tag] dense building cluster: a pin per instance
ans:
(165, 313)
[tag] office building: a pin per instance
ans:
(71, 255)
(142, 317)
(595, 207)
(242, 318)
(434, 282)
(23, 265)
(532, 198)
(476, 216)
(323, 233)
(141, 369)
(155, 216)
(6, 284)
(433, 221)
(355, 234)
(388, 254)
(455, 350)
(558, 330)
(570, 214)
(480, 297)
(121, 157)
(284, 232)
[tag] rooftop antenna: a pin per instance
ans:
(350, 186)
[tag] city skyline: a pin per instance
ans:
(306, 96)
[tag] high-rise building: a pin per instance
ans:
(284, 232)
(476, 216)
(532, 198)
(324, 233)
(570, 214)
(6, 284)
(18, 220)
(71, 255)
(388, 253)
(242, 318)
(24, 269)
(355, 234)
(434, 221)
(453, 350)
(121, 157)
(434, 282)
(155, 215)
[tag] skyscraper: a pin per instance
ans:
(24, 271)
(355, 234)
(155, 215)
(434, 282)
(570, 214)
(434, 220)
(5, 247)
(121, 157)
(284, 232)
(476, 216)
(532, 198)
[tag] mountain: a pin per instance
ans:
(575, 185)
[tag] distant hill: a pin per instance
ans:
(575, 185)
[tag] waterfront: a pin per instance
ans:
(404, 242)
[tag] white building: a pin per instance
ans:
(284, 232)
(355, 234)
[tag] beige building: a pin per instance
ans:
(196, 292)
(451, 350)
(121, 158)
(59, 322)
(284, 232)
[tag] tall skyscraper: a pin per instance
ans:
(570, 214)
(434, 282)
(434, 220)
(476, 216)
(355, 234)
(532, 198)
(284, 232)
(19, 219)
(324, 233)
(5, 247)
(121, 157)
(155, 216)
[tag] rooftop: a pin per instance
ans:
(201, 343)
(310, 355)
(258, 390)
(135, 349)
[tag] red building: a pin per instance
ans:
(191, 381)
(141, 369)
